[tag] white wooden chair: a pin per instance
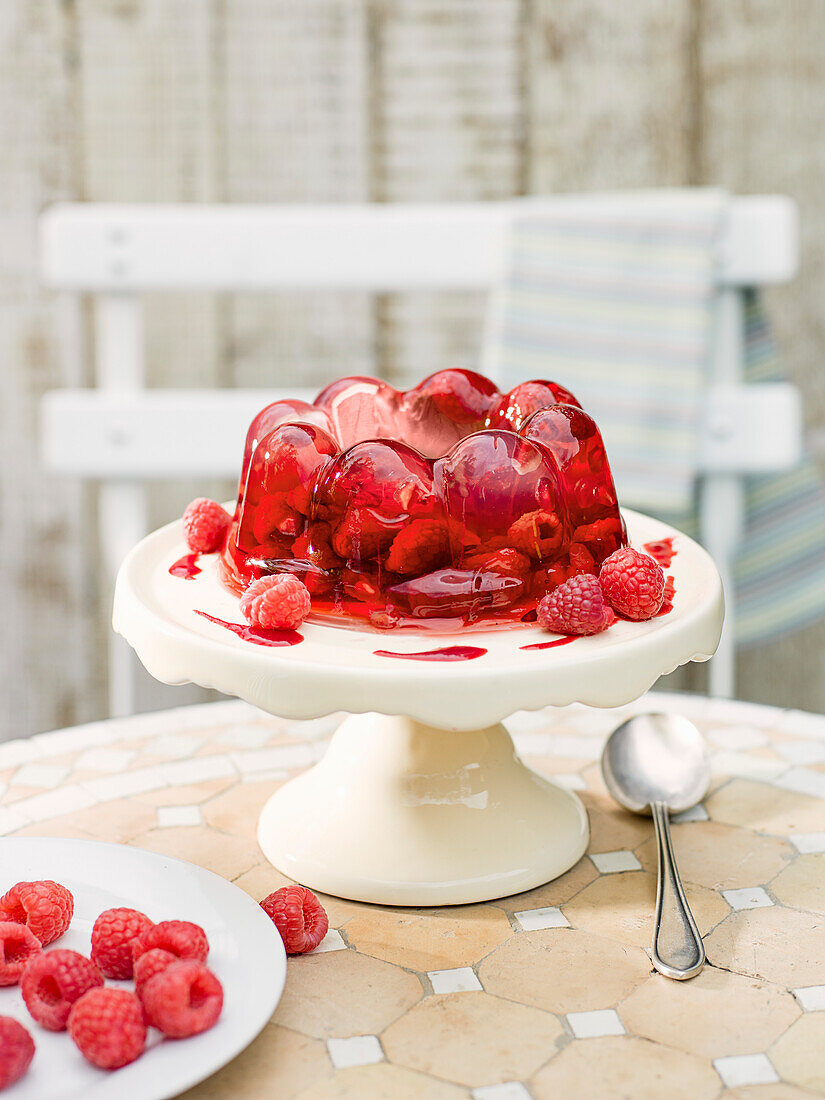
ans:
(122, 434)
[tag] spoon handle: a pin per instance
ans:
(678, 951)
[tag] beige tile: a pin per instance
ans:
(721, 857)
(563, 970)
(625, 1068)
(556, 892)
(766, 809)
(120, 820)
(799, 1056)
(777, 1091)
(339, 994)
(228, 856)
(620, 906)
(473, 1039)
(191, 794)
(295, 1062)
(56, 826)
(779, 945)
(431, 939)
(802, 885)
(381, 1080)
(238, 808)
(611, 827)
(714, 1015)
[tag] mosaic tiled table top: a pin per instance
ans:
(546, 994)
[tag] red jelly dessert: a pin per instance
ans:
(450, 503)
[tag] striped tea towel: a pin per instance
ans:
(612, 295)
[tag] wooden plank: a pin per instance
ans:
(447, 124)
(762, 73)
(47, 678)
(611, 94)
(294, 129)
(147, 88)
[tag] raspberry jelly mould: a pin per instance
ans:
(447, 506)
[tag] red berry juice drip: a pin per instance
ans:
(566, 640)
(186, 567)
(667, 602)
(257, 634)
(661, 551)
(448, 653)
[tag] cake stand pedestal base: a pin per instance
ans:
(400, 813)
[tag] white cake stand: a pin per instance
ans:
(400, 811)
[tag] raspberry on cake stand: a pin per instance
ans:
(420, 798)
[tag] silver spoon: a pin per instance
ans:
(655, 763)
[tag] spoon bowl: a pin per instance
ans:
(656, 758)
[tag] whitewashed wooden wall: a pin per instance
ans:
(388, 100)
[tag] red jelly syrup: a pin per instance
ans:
(186, 567)
(667, 602)
(257, 634)
(566, 640)
(448, 653)
(661, 551)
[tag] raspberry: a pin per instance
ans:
(576, 607)
(361, 535)
(183, 1000)
(298, 916)
(108, 1027)
(278, 602)
(16, 1051)
(205, 524)
(537, 534)
(52, 982)
(112, 937)
(313, 546)
(419, 547)
(18, 945)
(45, 908)
(633, 584)
(509, 562)
(179, 937)
(150, 964)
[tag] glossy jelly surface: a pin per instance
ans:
(450, 505)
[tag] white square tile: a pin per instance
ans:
(803, 781)
(64, 800)
(695, 813)
(737, 738)
(801, 752)
(175, 746)
(745, 1069)
(608, 863)
(277, 756)
(332, 941)
(808, 842)
(507, 1090)
(244, 737)
(460, 980)
(571, 781)
(11, 820)
(811, 998)
(170, 816)
(105, 760)
(750, 897)
(359, 1050)
(277, 774)
(39, 775)
(531, 920)
(593, 1025)
(745, 765)
(198, 770)
(125, 784)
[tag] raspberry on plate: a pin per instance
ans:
(205, 523)
(183, 1000)
(18, 945)
(108, 1027)
(277, 602)
(16, 1051)
(179, 937)
(53, 981)
(298, 916)
(150, 964)
(633, 584)
(112, 937)
(576, 607)
(45, 908)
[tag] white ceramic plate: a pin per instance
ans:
(244, 953)
(335, 669)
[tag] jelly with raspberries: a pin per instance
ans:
(449, 505)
